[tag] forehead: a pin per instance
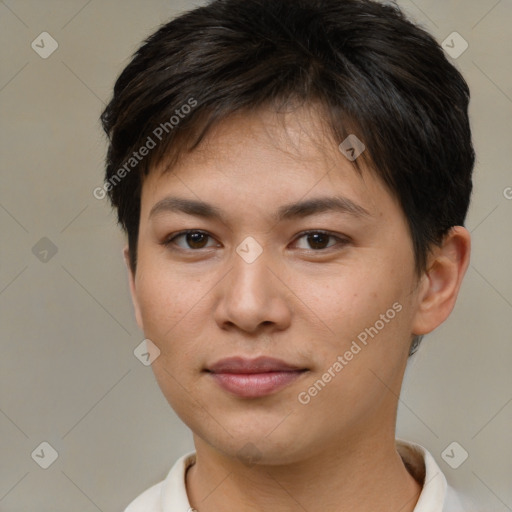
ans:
(267, 157)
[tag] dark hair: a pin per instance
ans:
(376, 75)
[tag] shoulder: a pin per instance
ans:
(169, 494)
(436, 494)
(148, 501)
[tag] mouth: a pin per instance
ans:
(254, 378)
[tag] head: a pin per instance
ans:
(250, 106)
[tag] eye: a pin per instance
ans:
(194, 238)
(318, 240)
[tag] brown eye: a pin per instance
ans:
(319, 240)
(194, 239)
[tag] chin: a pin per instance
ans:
(269, 442)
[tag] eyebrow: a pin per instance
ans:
(286, 212)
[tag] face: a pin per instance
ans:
(328, 291)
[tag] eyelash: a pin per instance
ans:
(170, 240)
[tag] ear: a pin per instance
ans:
(440, 284)
(133, 292)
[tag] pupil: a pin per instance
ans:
(194, 238)
(315, 237)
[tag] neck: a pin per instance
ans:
(363, 475)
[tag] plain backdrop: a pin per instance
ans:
(69, 376)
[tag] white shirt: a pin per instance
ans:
(170, 495)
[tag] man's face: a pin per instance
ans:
(305, 299)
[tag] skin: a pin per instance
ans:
(300, 302)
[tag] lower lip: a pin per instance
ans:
(254, 385)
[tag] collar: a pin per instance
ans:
(170, 495)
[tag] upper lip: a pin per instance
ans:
(258, 365)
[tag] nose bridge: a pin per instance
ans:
(251, 295)
(250, 279)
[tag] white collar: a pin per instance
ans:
(170, 495)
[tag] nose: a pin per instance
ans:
(252, 295)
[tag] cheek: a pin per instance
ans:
(176, 306)
(173, 321)
(169, 303)
(369, 316)
(350, 301)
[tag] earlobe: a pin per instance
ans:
(441, 282)
(133, 291)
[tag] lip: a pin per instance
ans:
(260, 364)
(253, 378)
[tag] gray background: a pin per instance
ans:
(68, 372)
